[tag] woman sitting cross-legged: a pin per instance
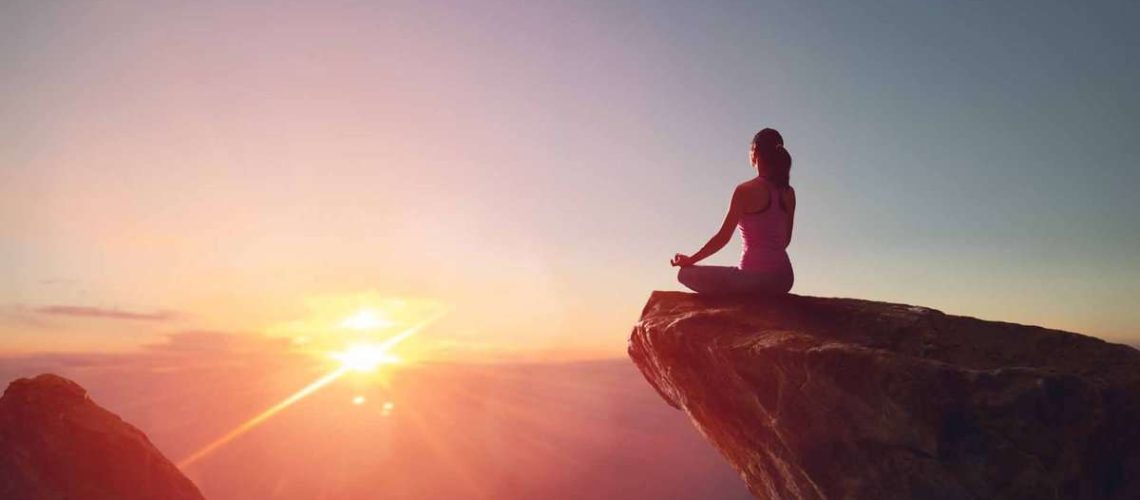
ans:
(764, 208)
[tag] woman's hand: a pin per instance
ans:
(681, 260)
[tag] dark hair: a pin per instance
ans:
(769, 147)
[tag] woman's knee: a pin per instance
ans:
(685, 275)
(692, 277)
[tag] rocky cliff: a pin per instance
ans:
(56, 444)
(818, 398)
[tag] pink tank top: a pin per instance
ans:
(765, 235)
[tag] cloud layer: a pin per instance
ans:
(96, 312)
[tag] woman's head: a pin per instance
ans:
(770, 158)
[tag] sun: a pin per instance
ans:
(365, 357)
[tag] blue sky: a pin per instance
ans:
(537, 165)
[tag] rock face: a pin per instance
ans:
(55, 443)
(816, 398)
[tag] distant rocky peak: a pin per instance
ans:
(56, 443)
(46, 389)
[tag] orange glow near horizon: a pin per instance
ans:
(341, 322)
(365, 319)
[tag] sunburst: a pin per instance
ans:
(363, 357)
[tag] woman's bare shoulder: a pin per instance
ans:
(753, 183)
(753, 195)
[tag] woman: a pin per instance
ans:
(763, 208)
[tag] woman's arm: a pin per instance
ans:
(722, 236)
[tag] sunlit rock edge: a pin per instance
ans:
(825, 398)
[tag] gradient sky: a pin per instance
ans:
(220, 165)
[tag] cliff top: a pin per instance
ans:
(813, 397)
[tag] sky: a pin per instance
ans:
(531, 167)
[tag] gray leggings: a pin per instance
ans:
(724, 280)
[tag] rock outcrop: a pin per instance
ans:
(56, 444)
(818, 398)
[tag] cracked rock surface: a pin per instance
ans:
(823, 398)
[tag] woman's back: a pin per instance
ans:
(765, 234)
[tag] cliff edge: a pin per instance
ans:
(55, 444)
(822, 398)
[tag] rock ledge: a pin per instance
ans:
(821, 398)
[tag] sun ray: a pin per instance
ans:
(377, 354)
(263, 416)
